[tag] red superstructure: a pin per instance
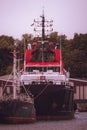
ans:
(57, 62)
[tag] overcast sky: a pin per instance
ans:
(69, 16)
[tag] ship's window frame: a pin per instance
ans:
(43, 68)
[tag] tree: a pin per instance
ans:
(6, 47)
(75, 58)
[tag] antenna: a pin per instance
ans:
(43, 26)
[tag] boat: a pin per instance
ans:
(45, 77)
(16, 107)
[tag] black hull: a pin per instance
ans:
(15, 111)
(52, 101)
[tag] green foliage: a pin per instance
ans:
(6, 47)
(76, 56)
(6, 42)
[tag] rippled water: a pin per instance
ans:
(78, 123)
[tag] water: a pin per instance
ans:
(78, 123)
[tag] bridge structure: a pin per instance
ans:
(80, 94)
(80, 90)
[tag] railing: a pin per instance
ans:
(80, 88)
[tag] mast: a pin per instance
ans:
(43, 36)
(60, 57)
(14, 74)
(43, 26)
(24, 54)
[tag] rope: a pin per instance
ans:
(6, 83)
(42, 91)
(25, 89)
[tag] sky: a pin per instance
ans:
(69, 16)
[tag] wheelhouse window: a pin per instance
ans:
(41, 69)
